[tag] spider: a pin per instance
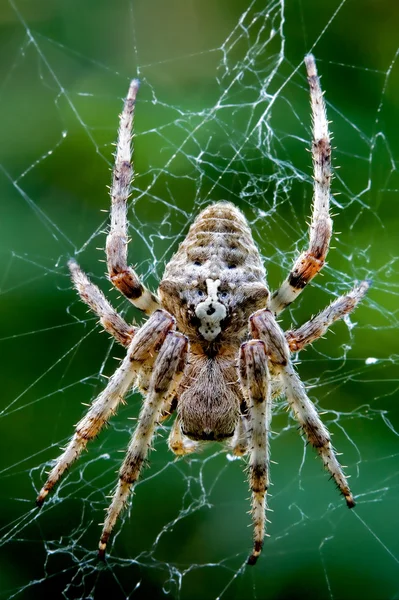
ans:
(211, 349)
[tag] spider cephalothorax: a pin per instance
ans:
(211, 350)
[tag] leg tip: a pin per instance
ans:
(310, 64)
(252, 559)
(133, 89)
(255, 552)
(365, 285)
(101, 551)
(72, 264)
(350, 502)
(41, 498)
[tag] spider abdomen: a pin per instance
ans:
(219, 240)
(209, 399)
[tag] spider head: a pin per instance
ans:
(199, 307)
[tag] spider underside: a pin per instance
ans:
(211, 350)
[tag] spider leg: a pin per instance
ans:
(147, 340)
(264, 326)
(91, 295)
(317, 434)
(123, 276)
(168, 370)
(255, 381)
(179, 443)
(239, 443)
(317, 326)
(309, 263)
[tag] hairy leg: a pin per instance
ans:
(317, 326)
(91, 295)
(264, 327)
(147, 341)
(305, 413)
(123, 277)
(168, 370)
(255, 381)
(312, 260)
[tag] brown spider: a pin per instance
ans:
(211, 349)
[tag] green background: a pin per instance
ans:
(205, 131)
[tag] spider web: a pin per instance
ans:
(223, 113)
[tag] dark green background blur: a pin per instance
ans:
(64, 68)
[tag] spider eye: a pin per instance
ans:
(200, 293)
(223, 294)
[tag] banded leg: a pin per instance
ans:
(316, 327)
(123, 276)
(264, 326)
(255, 381)
(147, 340)
(91, 295)
(317, 434)
(168, 370)
(311, 262)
